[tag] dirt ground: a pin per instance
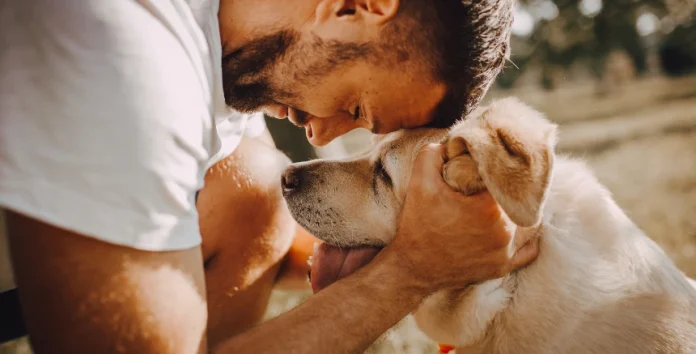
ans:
(641, 143)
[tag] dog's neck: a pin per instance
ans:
(531, 233)
(462, 316)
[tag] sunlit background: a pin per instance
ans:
(620, 79)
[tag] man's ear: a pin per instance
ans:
(374, 11)
(512, 147)
(378, 12)
(353, 20)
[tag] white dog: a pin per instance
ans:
(599, 284)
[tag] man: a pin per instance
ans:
(113, 112)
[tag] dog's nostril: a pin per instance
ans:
(291, 179)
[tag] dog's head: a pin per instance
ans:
(506, 148)
(356, 201)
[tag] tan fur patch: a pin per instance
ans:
(509, 149)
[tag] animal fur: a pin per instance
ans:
(599, 284)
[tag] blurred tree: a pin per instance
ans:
(678, 50)
(566, 32)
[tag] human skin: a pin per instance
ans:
(390, 97)
(107, 298)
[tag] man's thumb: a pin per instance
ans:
(429, 162)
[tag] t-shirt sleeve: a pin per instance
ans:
(105, 126)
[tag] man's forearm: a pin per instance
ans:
(346, 317)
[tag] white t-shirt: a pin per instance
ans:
(110, 114)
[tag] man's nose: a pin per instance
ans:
(293, 178)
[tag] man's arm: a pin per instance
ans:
(346, 317)
(444, 240)
(107, 298)
(81, 295)
(111, 299)
(99, 137)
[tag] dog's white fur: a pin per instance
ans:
(599, 284)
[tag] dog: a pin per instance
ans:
(599, 284)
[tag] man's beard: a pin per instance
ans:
(247, 98)
(246, 71)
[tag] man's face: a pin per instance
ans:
(321, 64)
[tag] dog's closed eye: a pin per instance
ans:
(382, 173)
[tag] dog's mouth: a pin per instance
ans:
(330, 263)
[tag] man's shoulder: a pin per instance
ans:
(107, 118)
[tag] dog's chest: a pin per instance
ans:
(461, 317)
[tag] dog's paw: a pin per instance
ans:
(460, 171)
(507, 149)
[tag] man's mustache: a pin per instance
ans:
(297, 117)
(245, 98)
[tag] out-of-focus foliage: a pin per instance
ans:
(678, 51)
(559, 39)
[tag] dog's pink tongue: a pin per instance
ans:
(330, 263)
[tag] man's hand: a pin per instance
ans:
(451, 240)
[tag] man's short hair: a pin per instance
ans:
(464, 42)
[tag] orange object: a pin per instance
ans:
(293, 274)
(444, 348)
(302, 248)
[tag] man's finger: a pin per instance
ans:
(427, 170)
(430, 160)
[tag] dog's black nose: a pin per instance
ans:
(292, 179)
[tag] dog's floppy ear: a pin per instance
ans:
(510, 146)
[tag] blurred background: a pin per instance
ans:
(619, 77)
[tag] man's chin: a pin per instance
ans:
(331, 263)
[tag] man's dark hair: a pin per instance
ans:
(464, 42)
